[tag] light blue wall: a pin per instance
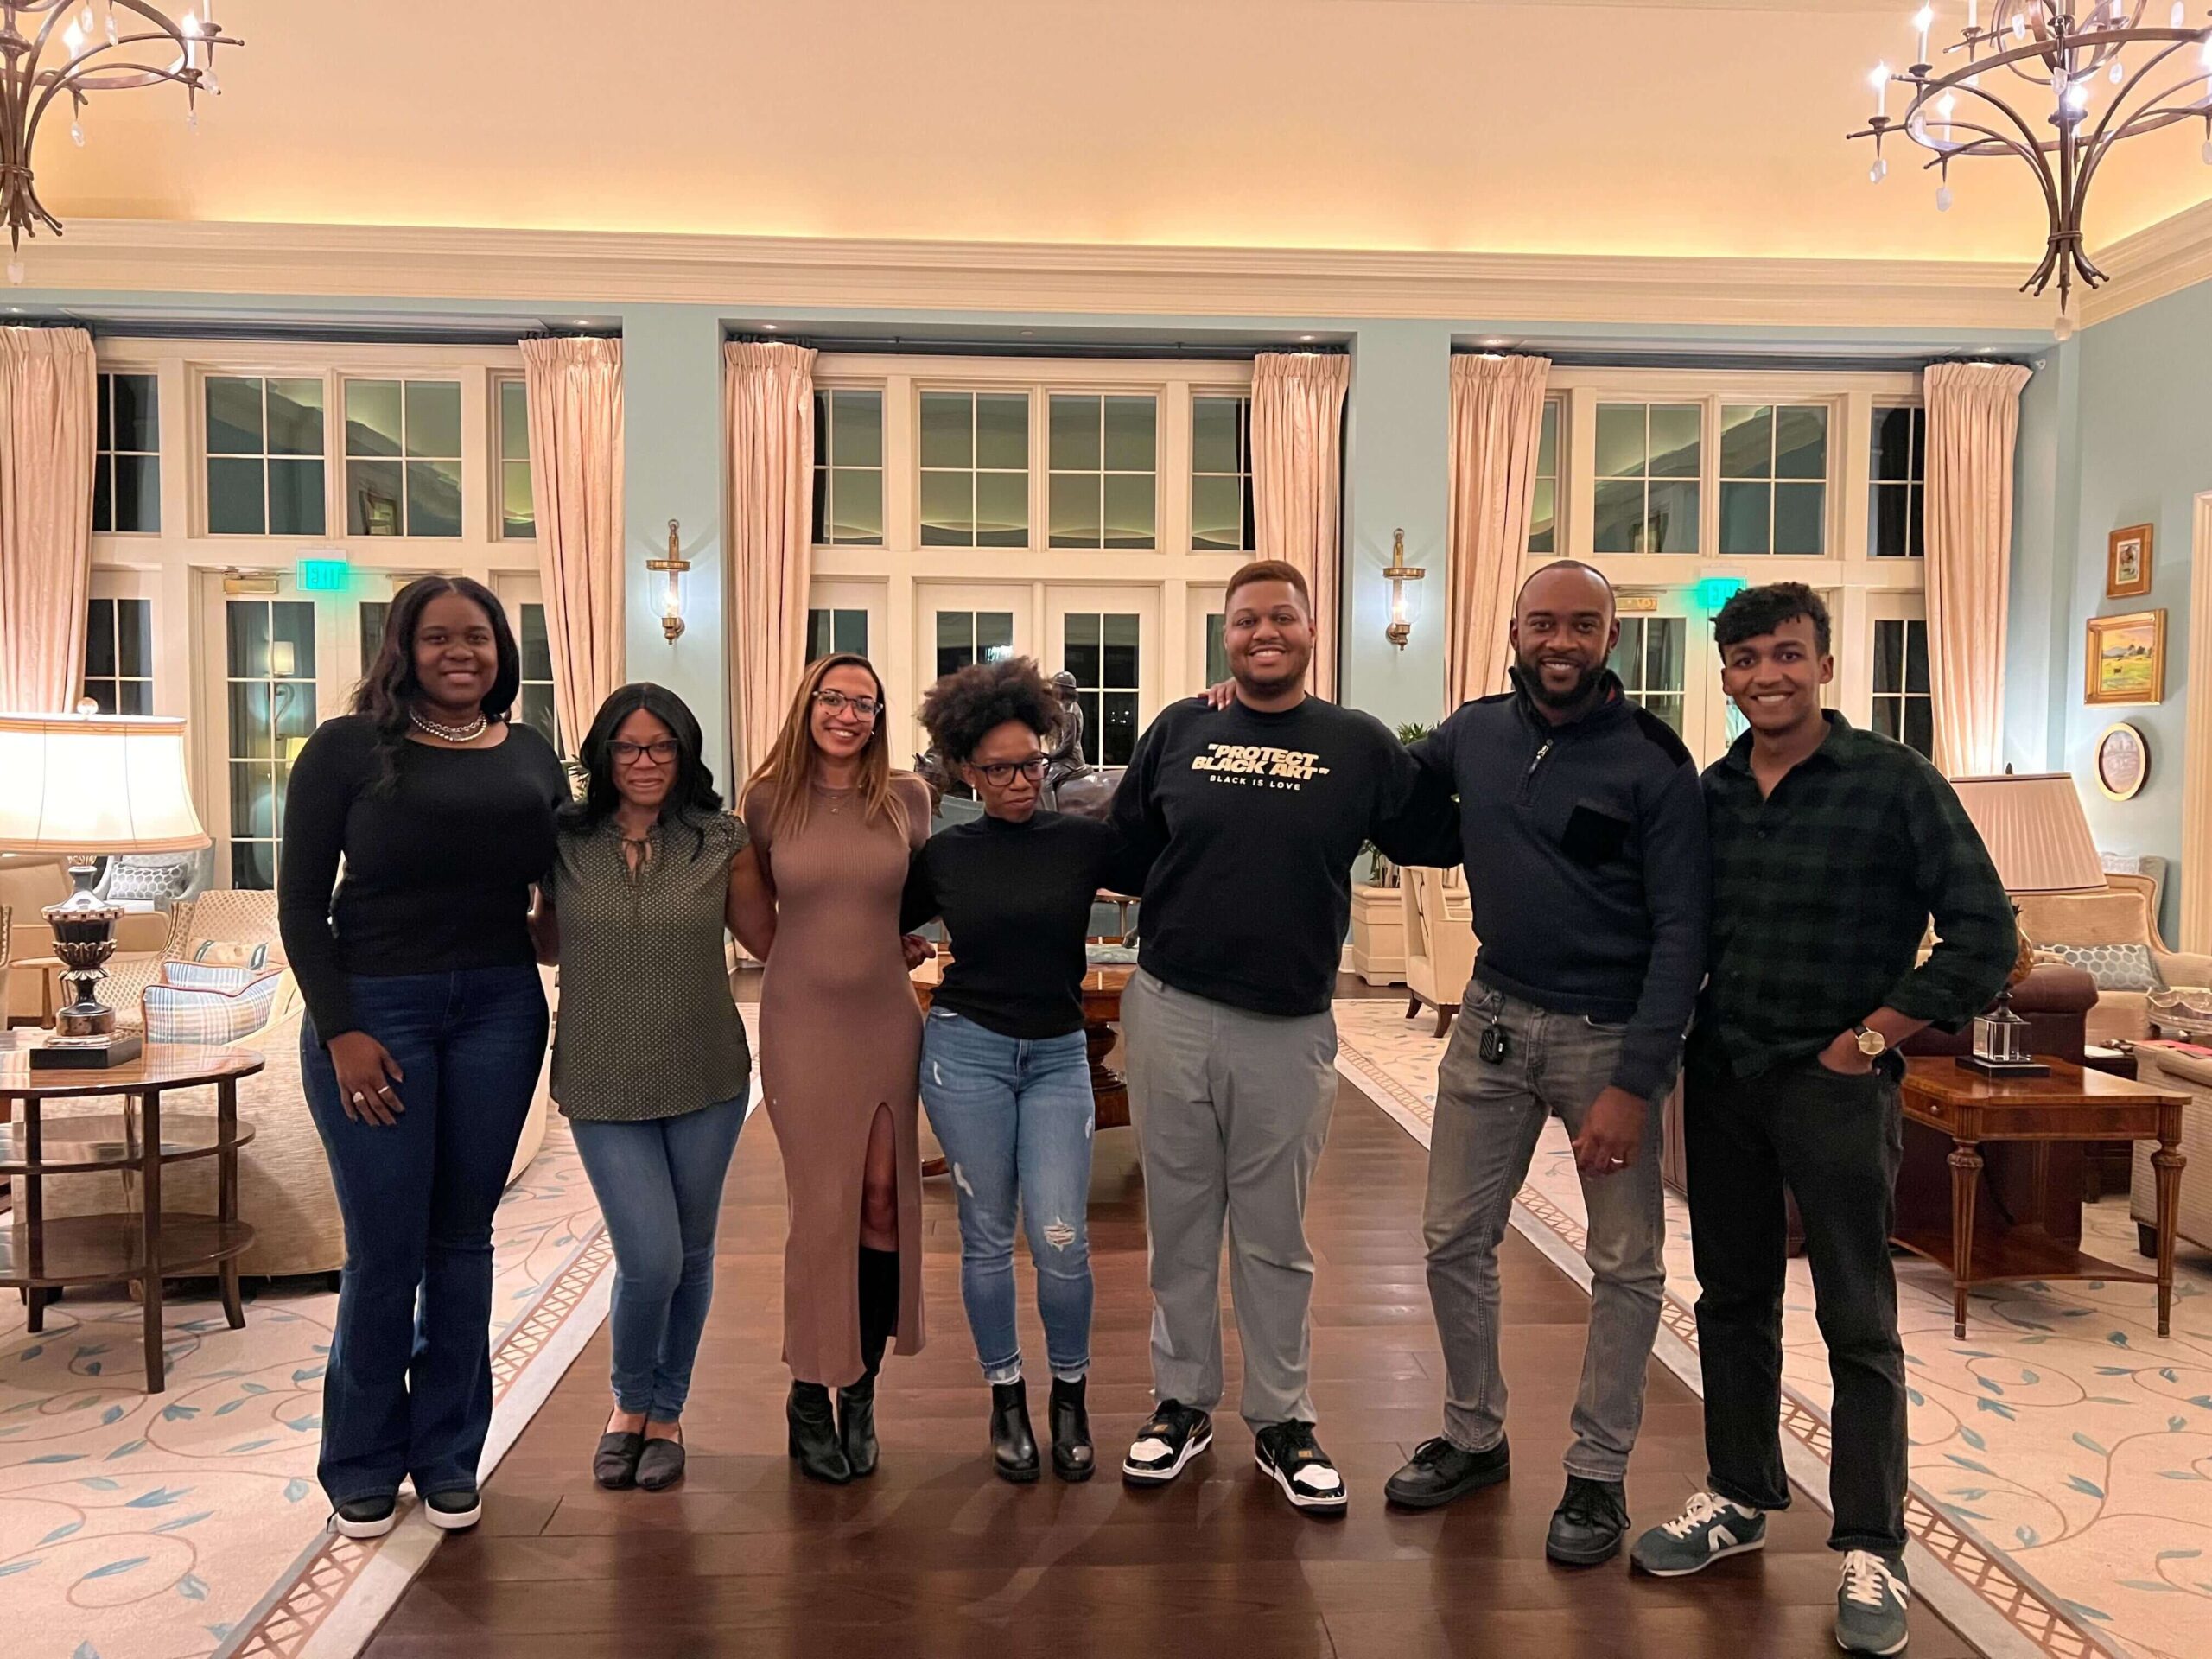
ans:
(2042, 538)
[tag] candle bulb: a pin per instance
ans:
(1923, 21)
(1880, 80)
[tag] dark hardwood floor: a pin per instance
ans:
(935, 1555)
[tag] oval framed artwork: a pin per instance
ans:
(2123, 761)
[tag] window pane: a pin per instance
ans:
(1674, 441)
(245, 654)
(434, 497)
(948, 510)
(817, 634)
(1547, 441)
(99, 639)
(537, 710)
(948, 439)
(1003, 429)
(1616, 525)
(1887, 510)
(434, 419)
(1081, 656)
(137, 502)
(1132, 434)
(1799, 510)
(820, 530)
(1129, 502)
(1668, 707)
(103, 415)
(372, 417)
(1664, 641)
(1073, 433)
(373, 613)
(1893, 444)
(1620, 441)
(291, 622)
(859, 506)
(1001, 509)
(134, 636)
(253, 866)
(296, 417)
(857, 423)
(103, 494)
(995, 635)
(1889, 657)
(1917, 522)
(514, 420)
(373, 498)
(1916, 657)
(1544, 517)
(1116, 742)
(1746, 443)
(1627, 659)
(518, 510)
(135, 420)
(1213, 435)
(234, 497)
(135, 697)
(1920, 724)
(233, 416)
(295, 498)
(1075, 509)
(536, 654)
(1216, 648)
(1674, 519)
(1744, 510)
(250, 725)
(1216, 508)
(850, 632)
(1801, 441)
(956, 640)
(1121, 650)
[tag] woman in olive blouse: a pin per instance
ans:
(649, 1060)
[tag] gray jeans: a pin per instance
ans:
(1231, 1109)
(1488, 1118)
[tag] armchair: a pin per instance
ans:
(2118, 915)
(1440, 941)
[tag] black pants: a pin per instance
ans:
(1835, 1143)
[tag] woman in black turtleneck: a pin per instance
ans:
(425, 1030)
(1005, 1078)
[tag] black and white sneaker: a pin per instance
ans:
(1290, 1453)
(1176, 1433)
(366, 1517)
(454, 1511)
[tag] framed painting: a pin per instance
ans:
(2127, 562)
(2127, 658)
(2123, 761)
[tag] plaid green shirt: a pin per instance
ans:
(1822, 892)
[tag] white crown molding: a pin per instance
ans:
(564, 269)
(2156, 261)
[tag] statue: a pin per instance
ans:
(1064, 758)
(1071, 783)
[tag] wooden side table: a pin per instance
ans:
(2070, 1104)
(41, 1256)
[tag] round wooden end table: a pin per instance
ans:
(40, 1255)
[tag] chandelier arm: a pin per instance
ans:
(68, 80)
(2127, 89)
(2028, 148)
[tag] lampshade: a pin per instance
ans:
(95, 784)
(2032, 824)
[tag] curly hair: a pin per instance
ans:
(968, 703)
(1751, 612)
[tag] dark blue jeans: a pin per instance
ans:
(409, 1391)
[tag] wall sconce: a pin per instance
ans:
(671, 610)
(1399, 573)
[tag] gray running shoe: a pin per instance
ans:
(1710, 1528)
(1870, 1606)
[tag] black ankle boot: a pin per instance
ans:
(814, 1434)
(856, 1425)
(1072, 1458)
(1014, 1446)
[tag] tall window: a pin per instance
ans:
(534, 705)
(1216, 648)
(1221, 474)
(518, 508)
(119, 656)
(849, 468)
(1905, 706)
(1773, 468)
(974, 468)
(830, 631)
(1649, 659)
(1103, 457)
(1102, 649)
(127, 470)
(1648, 459)
(268, 660)
(264, 455)
(1544, 512)
(966, 636)
(402, 457)
(1896, 505)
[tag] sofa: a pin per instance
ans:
(2113, 932)
(29, 981)
(1440, 941)
(2186, 1071)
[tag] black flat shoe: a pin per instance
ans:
(814, 1442)
(1589, 1525)
(614, 1466)
(1013, 1444)
(1073, 1458)
(660, 1465)
(366, 1517)
(1441, 1471)
(856, 1425)
(455, 1510)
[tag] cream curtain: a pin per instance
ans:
(1974, 419)
(47, 403)
(1497, 418)
(1298, 405)
(769, 393)
(575, 447)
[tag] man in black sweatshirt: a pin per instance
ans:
(1249, 817)
(1587, 867)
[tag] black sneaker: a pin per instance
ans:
(1290, 1453)
(366, 1517)
(1589, 1525)
(1176, 1433)
(454, 1509)
(1440, 1471)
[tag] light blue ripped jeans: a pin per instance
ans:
(1014, 1119)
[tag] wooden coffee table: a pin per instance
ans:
(2070, 1104)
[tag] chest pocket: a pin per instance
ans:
(1595, 834)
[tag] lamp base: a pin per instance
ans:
(86, 1054)
(2004, 1068)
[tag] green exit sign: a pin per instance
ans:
(1714, 592)
(324, 576)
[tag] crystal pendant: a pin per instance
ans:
(1879, 171)
(77, 133)
(192, 118)
(1943, 200)
(2208, 152)
(16, 272)
(2062, 325)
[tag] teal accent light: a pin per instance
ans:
(324, 576)
(1714, 592)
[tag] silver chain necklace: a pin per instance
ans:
(450, 734)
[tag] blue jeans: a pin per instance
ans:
(1014, 1119)
(659, 1183)
(409, 1390)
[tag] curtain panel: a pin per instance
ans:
(1974, 422)
(48, 400)
(1497, 417)
(575, 389)
(1298, 405)
(769, 396)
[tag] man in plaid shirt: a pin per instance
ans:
(1832, 850)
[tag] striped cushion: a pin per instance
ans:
(209, 1015)
(204, 976)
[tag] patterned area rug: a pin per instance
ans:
(2062, 1455)
(189, 1524)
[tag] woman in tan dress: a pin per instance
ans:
(840, 1049)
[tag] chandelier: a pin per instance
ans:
(2056, 83)
(56, 50)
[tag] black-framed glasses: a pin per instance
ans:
(836, 703)
(999, 773)
(628, 754)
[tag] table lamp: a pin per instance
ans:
(2038, 839)
(82, 786)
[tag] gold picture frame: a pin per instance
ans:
(2127, 562)
(2126, 659)
(2123, 761)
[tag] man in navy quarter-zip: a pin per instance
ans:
(1584, 836)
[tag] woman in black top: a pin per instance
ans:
(425, 1031)
(1005, 1078)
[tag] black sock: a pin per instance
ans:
(879, 1305)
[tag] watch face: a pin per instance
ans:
(1872, 1043)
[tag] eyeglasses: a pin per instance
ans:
(836, 703)
(999, 773)
(628, 754)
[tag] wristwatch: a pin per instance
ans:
(1872, 1043)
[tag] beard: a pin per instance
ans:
(1586, 682)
